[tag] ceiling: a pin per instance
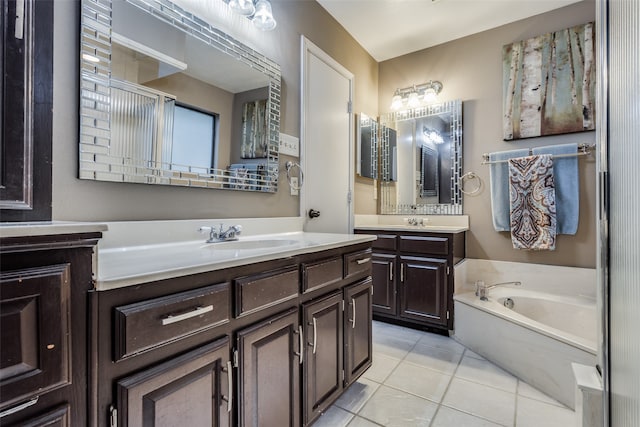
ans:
(390, 28)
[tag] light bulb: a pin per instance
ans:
(413, 100)
(430, 95)
(396, 102)
(263, 18)
(243, 7)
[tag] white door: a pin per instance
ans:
(327, 142)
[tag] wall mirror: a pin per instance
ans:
(168, 99)
(421, 160)
(367, 146)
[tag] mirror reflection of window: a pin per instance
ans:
(193, 139)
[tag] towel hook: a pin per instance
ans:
(470, 176)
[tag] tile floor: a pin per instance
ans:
(423, 379)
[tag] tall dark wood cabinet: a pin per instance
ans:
(43, 330)
(413, 276)
(26, 109)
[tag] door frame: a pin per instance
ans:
(307, 48)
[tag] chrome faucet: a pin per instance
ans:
(222, 235)
(481, 288)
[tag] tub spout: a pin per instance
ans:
(481, 288)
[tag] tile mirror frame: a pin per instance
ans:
(393, 134)
(95, 160)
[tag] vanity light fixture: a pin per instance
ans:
(414, 95)
(259, 12)
(432, 135)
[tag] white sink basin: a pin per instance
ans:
(250, 244)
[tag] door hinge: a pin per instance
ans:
(235, 358)
(19, 28)
(447, 314)
(349, 107)
(113, 416)
(349, 196)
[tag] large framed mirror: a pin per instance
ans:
(168, 99)
(421, 160)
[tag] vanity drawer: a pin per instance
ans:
(425, 245)
(357, 264)
(385, 241)
(267, 289)
(322, 273)
(152, 323)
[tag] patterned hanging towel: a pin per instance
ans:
(532, 199)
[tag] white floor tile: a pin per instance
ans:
(442, 342)
(392, 346)
(400, 332)
(485, 372)
(396, 408)
(449, 417)
(434, 358)
(533, 413)
(420, 381)
(357, 395)
(381, 367)
(334, 417)
(473, 354)
(361, 422)
(526, 390)
(481, 400)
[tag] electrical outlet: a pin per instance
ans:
(294, 186)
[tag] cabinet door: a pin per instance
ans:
(269, 372)
(357, 335)
(384, 287)
(322, 378)
(423, 289)
(192, 390)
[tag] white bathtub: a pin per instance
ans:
(537, 340)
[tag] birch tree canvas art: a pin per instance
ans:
(254, 130)
(549, 84)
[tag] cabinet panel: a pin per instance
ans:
(322, 273)
(425, 245)
(58, 417)
(265, 290)
(269, 372)
(384, 285)
(322, 379)
(357, 264)
(188, 390)
(424, 289)
(35, 335)
(385, 241)
(155, 322)
(357, 336)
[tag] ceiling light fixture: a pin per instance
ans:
(259, 12)
(413, 95)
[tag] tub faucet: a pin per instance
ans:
(481, 288)
(221, 235)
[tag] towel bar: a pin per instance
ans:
(583, 150)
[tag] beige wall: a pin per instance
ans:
(471, 69)
(75, 199)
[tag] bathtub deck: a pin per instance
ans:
(423, 379)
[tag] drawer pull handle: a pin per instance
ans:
(230, 381)
(315, 335)
(188, 315)
(19, 407)
(353, 307)
(300, 344)
(363, 261)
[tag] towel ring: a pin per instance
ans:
(290, 165)
(470, 176)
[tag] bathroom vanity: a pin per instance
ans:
(413, 274)
(265, 330)
(260, 331)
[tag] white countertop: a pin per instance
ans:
(414, 228)
(48, 228)
(431, 223)
(130, 265)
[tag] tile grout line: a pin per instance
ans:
(448, 385)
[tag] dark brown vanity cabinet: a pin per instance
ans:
(192, 389)
(413, 277)
(269, 372)
(43, 330)
(273, 343)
